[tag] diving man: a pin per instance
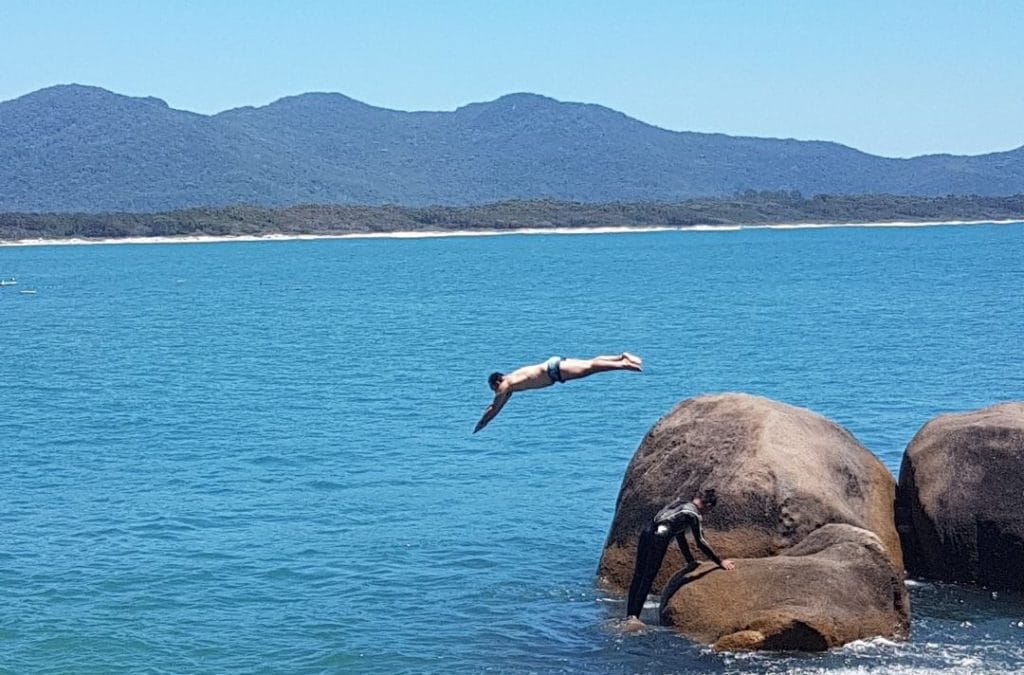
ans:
(555, 369)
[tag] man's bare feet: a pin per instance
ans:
(633, 358)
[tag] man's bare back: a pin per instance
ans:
(528, 377)
(555, 369)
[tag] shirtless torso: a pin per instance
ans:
(528, 377)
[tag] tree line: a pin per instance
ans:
(747, 208)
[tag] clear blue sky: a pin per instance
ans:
(896, 78)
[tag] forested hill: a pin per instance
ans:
(76, 148)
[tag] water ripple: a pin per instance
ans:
(228, 473)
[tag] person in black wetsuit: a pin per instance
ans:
(671, 522)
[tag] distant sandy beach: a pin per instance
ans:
(430, 234)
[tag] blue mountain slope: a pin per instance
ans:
(77, 148)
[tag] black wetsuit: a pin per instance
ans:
(672, 521)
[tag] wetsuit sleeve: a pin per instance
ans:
(685, 548)
(702, 544)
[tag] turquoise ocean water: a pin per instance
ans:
(247, 457)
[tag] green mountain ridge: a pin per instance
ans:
(74, 148)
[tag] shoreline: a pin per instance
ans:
(435, 234)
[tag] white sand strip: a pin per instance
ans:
(424, 234)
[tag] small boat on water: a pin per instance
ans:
(28, 291)
(9, 282)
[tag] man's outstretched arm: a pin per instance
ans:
(493, 409)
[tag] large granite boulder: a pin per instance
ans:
(960, 501)
(835, 586)
(781, 472)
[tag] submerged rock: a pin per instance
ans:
(836, 586)
(960, 502)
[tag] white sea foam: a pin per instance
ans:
(968, 667)
(870, 644)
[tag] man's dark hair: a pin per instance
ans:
(709, 498)
(494, 378)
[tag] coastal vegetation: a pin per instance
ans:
(748, 208)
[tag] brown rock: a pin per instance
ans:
(960, 502)
(836, 586)
(781, 472)
(740, 641)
